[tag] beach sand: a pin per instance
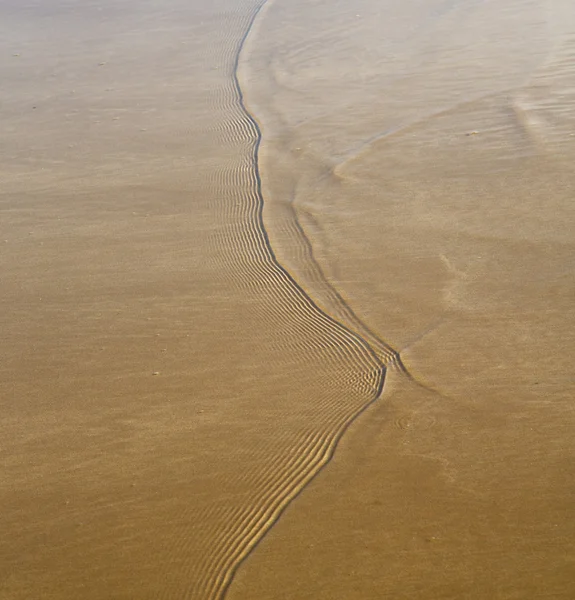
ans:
(287, 300)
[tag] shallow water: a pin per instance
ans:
(220, 225)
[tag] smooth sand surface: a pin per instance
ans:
(239, 235)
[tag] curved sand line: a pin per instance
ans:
(246, 229)
(344, 337)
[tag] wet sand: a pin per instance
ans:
(241, 236)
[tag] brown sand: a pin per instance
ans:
(176, 366)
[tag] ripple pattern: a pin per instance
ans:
(340, 339)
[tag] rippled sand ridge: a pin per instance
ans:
(240, 235)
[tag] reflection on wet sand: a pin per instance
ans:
(235, 232)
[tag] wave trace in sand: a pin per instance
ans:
(344, 337)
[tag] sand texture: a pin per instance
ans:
(287, 299)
